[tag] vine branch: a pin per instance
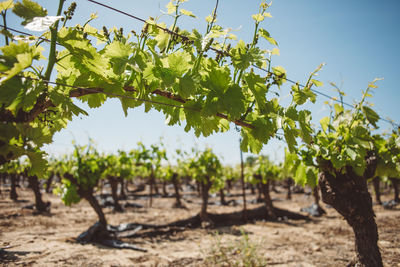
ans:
(42, 104)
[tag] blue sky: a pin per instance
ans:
(358, 40)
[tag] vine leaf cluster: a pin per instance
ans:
(177, 74)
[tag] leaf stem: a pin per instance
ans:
(255, 34)
(209, 27)
(141, 47)
(358, 108)
(53, 42)
(4, 14)
(239, 76)
(173, 27)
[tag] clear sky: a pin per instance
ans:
(358, 40)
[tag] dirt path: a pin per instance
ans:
(48, 240)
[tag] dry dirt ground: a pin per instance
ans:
(49, 240)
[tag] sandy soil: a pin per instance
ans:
(48, 240)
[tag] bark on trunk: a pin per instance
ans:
(127, 183)
(122, 193)
(155, 187)
(229, 186)
(377, 189)
(114, 188)
(289, 183)
(39, 204)
(101, 186)
(252, 190)
(97, 208)
(175, 182)
(243, 185)
(49, 182)
(13, 191)
(205, 188)
(243, 195)
(267, 199)
(198, 186)
(222, 197)
(156, 190)
(164, 189)
(348, 194)
(317, 198)
(395, 183)
(260, 193)
(151, 188)
(315, 192)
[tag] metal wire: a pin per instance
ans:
(23, 33)
(137, 18)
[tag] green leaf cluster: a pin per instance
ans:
(263, 167)
(183, 75)
(27, 10)
(205, 166)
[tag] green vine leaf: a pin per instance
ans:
(179, 63)
(4, 5)
(300, 96)
(187, 13)
(257, 86)
(371, 115)
(28, 9)
(17, 57)
(266, 35)
(118, 54)
(243, 57)
(171, 8)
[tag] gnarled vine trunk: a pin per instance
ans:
(222, 197)
(87, 193)
(252, 189)
(260, 193)
(243, 184)
(348, 194)
(267, 198)
(114, 188)
(122, 193)
(268, 201)
(175, 182)
(395, 184)
(153, 186)
(39, 204)
(315, 193)
(164, 189)
(288, 183)
(198, 187)
(49, 182)
(377, 189)
(13, 191)
(205, 188)
(228, 185)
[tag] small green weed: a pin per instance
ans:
(239, 253)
